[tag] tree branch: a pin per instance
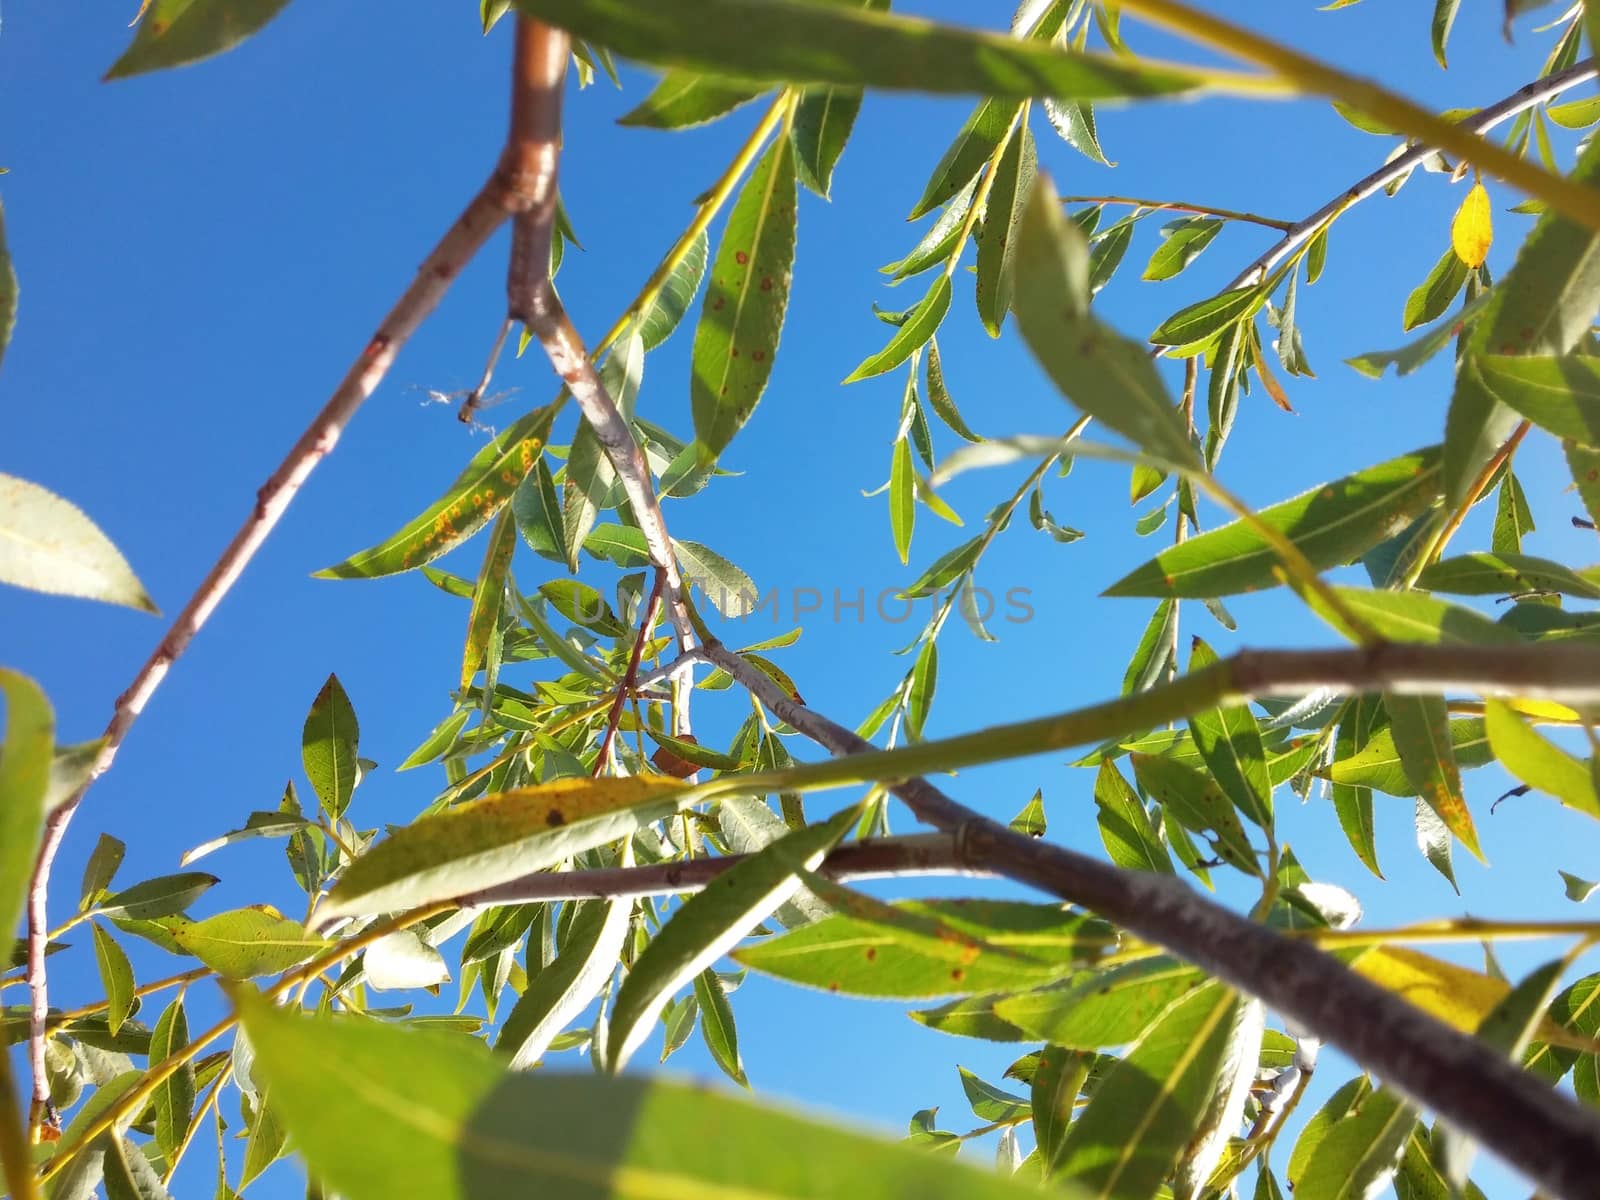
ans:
(1481, 122)
(1549, 1138)
(629, 680)
(511, 188)
(880, 858)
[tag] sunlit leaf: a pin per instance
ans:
(24, 779)
(683, 98)
(47, 544)
(1539, 763)
(1103, 1008)
(328, 747)
(174, 32)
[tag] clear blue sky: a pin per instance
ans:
(203, 251)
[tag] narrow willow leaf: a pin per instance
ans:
(1414, 354)
(973, 1017)
(418, 1113)
(742, 318)
(806, 43)
(1505, 574)
(666, 310)
(1544, 305)
(1181, 243)
(1074, 121)
(1540, 764)
(173, 1098)
(823, 120)
(1377, 765)
(101, 868)
(1154, 651)
(47, 544)
(1353, 802)
(1199, 804)
(990, 1103)
(1577, 888)
(1353, 1145)
(1059, 1078)
(265, 1144)
(1103, 1008)
(972, 150)
(81, 1175)
(1101, 372)
(488, 597)
(487, 484)
(1418, 617)
(8, 289)
(403, 960)
(1159, 1094)
(262, 824)
(939, 396)
(1125, 828)
(240, 944)
(922, 948)
(116, 977)
(924, 681)
(1206, 318)
(938, 242)
(1421, 729)
(328, 747)
(1031, 820)
(681, 99)
(710, 924)
(1002, 223)
(1559, 392)
(158, 897)
(130, 1175)
(1472, 230)
(497, 838)
(921, 325)
(436, 743)
(24, 779)
(1330, 525)
(1223, 1109)
(1434, 294)
(1230, 742)
(174, 32)
(945, 568)
(1106, 253)
(1584, 463)
(716, 1025)
(536, 508)
(1444, 16)
(562, 990)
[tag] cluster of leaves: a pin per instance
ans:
(1147, 1071)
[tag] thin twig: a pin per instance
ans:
(507, 191)
(1441, 539)
(614, 718)
(1203, 210)
(880, 858)
(1481, 122)
(1548, 1137)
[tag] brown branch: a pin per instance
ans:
(879, 858)
(531, 299)
(509, 190)
(625, 688)
(1551, 1139)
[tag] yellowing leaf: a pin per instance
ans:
(1472, 232)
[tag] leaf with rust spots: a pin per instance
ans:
(1421, 729)
(479, 492)
(498, 838)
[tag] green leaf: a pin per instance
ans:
(684, 98)
(902, 499)
(173, 1098)
(266, 1142)
(436, 743)
(924, 682)
(1125, 828)
(938, 242)
(1539, 763)
(1230, 742)
(1584, 463)
(487, 484)
(1578, 889)
(939, 396)
(1057, 1080)
(262, 824)
(1544, 305)
(101, 868)
(562, 990)
(822, 43)
(921, 325)
(1101, 372)
(8, 289)
(1002, 224)
(989, 1103)
(328, 747)
(972, 150)
(1199, 804)
(130, 1175)
(742, 318)
(158, 897)
(716, 1025)
(488, 599)
(240, 944)
(496, 839)
(921, 948)
(1330, 525)
(1103, 1008)
(1444, 16)
(945, 568)
(1378, 764)
(666, 310)
(1353, 802)
(536, 508)
(1205, 319)
(174, 32)
(416, 1113)
(1151, 1104)
(1181, 243)
(1513, 519)
(823, 120)
(1031, 820)
(1504, 574)
(1355, 1152)
(116, 977)
(1559, 392)
(1074, 121)
(1418, 617)
(24, 779)
(730, 591)
(1420, 726)
(48, 545)
(711, 923)
(1434, 294)
(1414, 354)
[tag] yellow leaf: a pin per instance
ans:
(1472, 233)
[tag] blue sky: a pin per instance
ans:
(202, 252)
